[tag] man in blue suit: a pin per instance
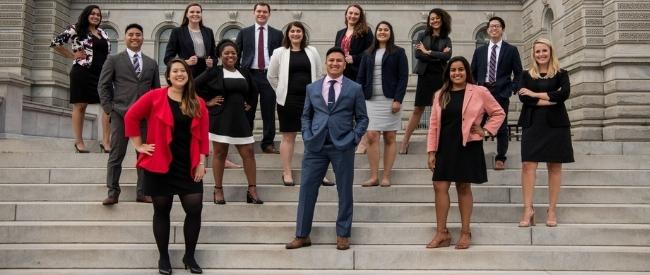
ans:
(497, 66)
(256, 44)
(333, 121)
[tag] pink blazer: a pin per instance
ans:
(477, 101)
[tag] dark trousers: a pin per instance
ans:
(502, 134)
(267, 107)
(314, 167)
(119, 144)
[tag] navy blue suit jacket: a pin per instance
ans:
(247, 47)
(347, 122)
(394, 74)
(508, 69)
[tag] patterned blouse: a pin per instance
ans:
(79, 43)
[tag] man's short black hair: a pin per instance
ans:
(133, 25)
(503, 23)
(335, 50)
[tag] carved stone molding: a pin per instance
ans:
(424, 15)
(489, 15)
(106, 14)
(545, 2)
(296, 15)
(169, 15)
(233, 15)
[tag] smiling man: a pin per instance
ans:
(333, 121)
(125, 77)
(256, 44)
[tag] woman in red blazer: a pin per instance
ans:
(455, 145)
(173, 157)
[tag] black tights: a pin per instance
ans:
(162, 205)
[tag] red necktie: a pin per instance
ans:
(260, 50)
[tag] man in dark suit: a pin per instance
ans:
(256, 44)
(497, 66)
(333, 121)
(125, 77)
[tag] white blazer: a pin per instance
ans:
(278, 74)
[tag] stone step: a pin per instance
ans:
(275, 193)
(359, 257)
(508, 177)
(363, 233)
(56, 160)
(325, 211)
(308, 272)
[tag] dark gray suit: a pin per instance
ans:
(330, 137)
(119, 87)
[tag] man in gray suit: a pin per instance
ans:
(125, 77)
(333, 121)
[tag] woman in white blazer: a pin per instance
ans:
(293, 66)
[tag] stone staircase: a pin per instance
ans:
(52, 221)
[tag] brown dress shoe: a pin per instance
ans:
(499, 165)
(299, 242)
(342, 243)
(110, 200)
(145, 199)
(270, 150)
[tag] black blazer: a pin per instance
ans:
(438, 59)
(210, 84)
(180, 44)
(558, 89)
(508, 69)
(248, 49)
(394, 74)
(358, 46)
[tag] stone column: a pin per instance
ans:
(12, 89)
(626, 70)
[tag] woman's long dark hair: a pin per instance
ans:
(82, 25)
(189, 100)
(186, 21)
(286, 42)
(445, 23)
(390, 44)
(446, 79)
(361, 28)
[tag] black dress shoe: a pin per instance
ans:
(326, 182)
(144, 199)
(164, 267)
(270, 150)
(191, 263)
(110, 200)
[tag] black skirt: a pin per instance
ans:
(428, 84)
(455, 162)
(83, 80)
(542, 143)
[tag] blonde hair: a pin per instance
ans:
(553, 66)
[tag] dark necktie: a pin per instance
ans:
(492, 72)
(136, 65)
(331, 97)
(260, 50)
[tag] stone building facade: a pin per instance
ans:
(604, 44)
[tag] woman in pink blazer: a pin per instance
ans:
(455, 145)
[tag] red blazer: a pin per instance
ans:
(154, 107)
(477, 101)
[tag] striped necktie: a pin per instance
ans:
(136, 65)
(492, 73)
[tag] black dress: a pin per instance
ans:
(429, 82)
(455, 162)
(539, 141)
(299, 76)
(231, 125)
(178, 180)
(83, 81)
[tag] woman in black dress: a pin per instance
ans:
(90, 48)
(432, 52)
(228, 91)
(455, 145)
(176, 166)
(546, 133)
(293, 66)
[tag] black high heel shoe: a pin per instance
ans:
(164, 267)
(102, 149)
(214, 196)
(287, 183)
(191, 263)
(251, 199)
(76, 148)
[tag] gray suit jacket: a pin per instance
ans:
(346, 123)
(119, 86)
